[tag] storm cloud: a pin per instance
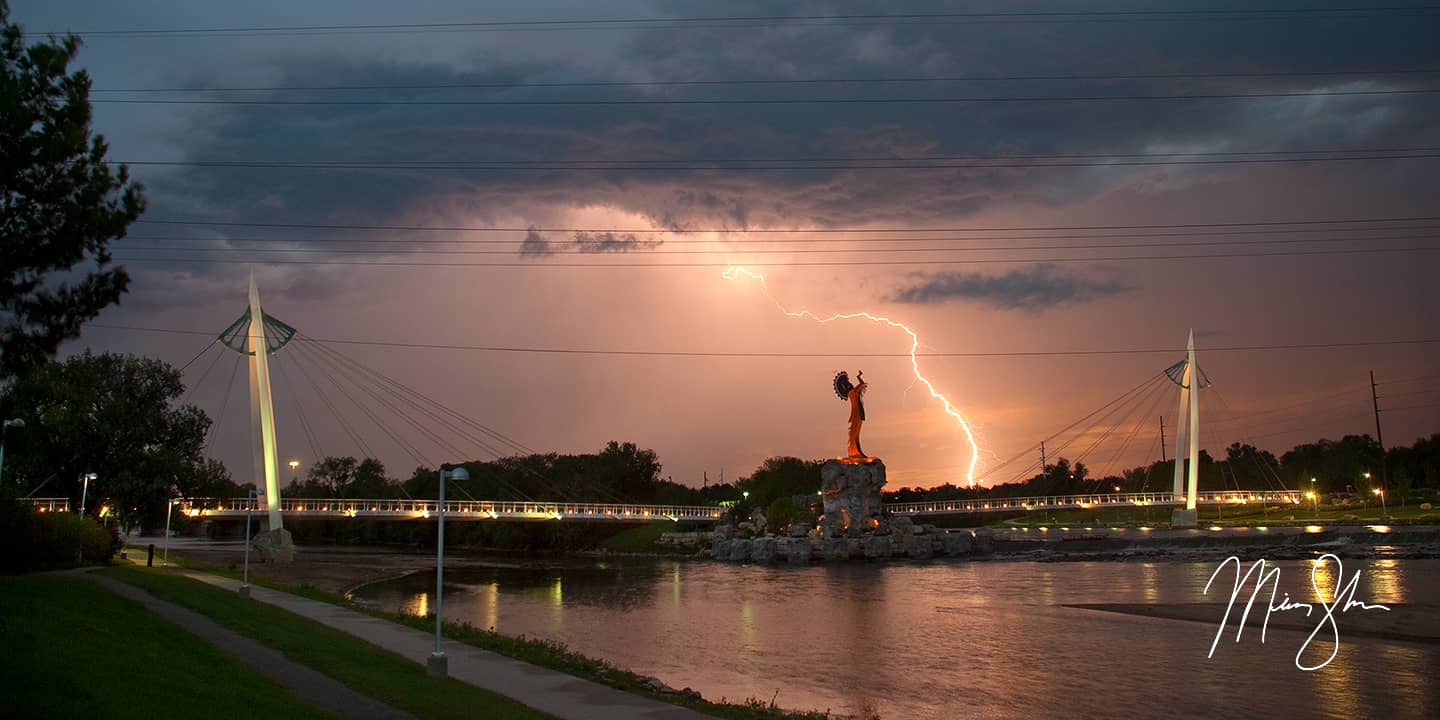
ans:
(1033, 289)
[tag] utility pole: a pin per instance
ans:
(1042, 458)
(1162, 438)
(1379, 437)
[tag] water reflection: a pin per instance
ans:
(993, 640)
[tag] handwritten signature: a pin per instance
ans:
(1344, 601)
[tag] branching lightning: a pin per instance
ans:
(736, 271)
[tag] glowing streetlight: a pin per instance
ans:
(1314, 501)
(438, 665)
(1381, 493)
(16, 422)
(295, 470)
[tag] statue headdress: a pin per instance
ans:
(843, 386)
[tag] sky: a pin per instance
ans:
(489, 172)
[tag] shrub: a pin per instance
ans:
(47, 541)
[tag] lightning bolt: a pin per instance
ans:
(735, 272)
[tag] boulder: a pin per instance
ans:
(921, 547)
(758, 519)
(275, 546)
(957, 542)
(746, 529)
(720, 549)
(723, 532)
(837, 549)
(762, 550)
(797, 550)
(851, 496)
(984, 540)
(740, 550)
(902, 525)
(876, 546)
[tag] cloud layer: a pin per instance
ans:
(1033, 289)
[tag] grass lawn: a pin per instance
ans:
(71, 648)
(544, 653)
(379, 673)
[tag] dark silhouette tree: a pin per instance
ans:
(60, 202)
(116, 416)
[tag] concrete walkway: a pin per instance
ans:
(311, 686)
(564, 696)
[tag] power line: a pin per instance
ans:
(782, 251)
(748, 20)
(916, 165)
(685, 353)
(832, 240)
(636, 231)
(826, 263)
(776, 101)
(775, 81)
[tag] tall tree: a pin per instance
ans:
(60, 202)
(116, 416)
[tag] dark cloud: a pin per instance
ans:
(535, 244)
(609, 242)
(1034, 289)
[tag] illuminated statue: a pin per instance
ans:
(856, 395)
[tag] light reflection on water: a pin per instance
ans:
(945, 640)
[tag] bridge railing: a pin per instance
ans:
(1088, 501)
(401, 508)
(50, 504)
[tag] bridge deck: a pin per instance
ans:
(543, 511)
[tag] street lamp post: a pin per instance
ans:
(1383, 512)
(295, 471)
(249, 509)
(437, 664)
(169, 510)
(85, 489)
(15, 422)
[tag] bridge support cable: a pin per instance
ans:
(224, 403)
(1030, 451)
(314, 355)
(335, 412)
(365, 410)
(1122, 413)
(1120, 409)
(204, 374)
(440, 407)
(369, 390)
(294, 398)
(1266, 472)
(1141, 422)
(345, 366)
(413, 397)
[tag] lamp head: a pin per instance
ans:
(15, 422)
(458, 474)
(91, 476)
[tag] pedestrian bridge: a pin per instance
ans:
(1087, 502)
(540, 511)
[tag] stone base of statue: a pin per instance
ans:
(1181, 518)
(850, 489)
(275, 546)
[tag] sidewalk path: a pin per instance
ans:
(554, 692)
(311, 686)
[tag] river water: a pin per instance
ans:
(964, 639)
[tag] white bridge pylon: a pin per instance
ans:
(1191, 380)
(258, 335)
